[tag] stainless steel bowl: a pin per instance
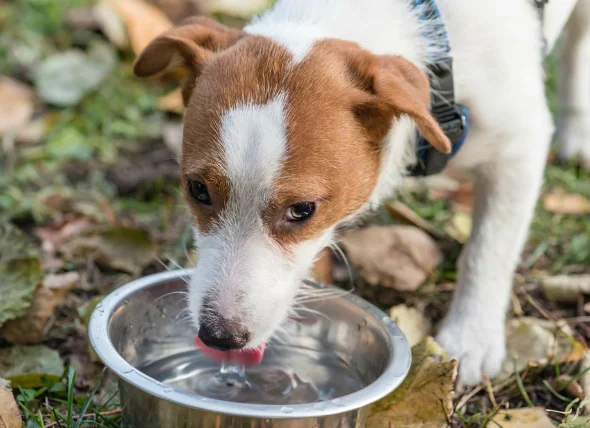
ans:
(140, 332)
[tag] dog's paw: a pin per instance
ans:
(478, 345)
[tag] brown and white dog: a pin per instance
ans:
(300, 122)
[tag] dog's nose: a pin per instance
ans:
(227, 336)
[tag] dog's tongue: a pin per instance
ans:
(246, 357)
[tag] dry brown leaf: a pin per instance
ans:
(16, 104)
(53, 237)
(399, 257)
(30, 328)
(412, 323)
(425, 398)
(9, 413)
(144, 22)
(533, 342)
(562, 203)
(526, 417)
(565, 288)
(402, 213)
(571, 386)
(171, 102)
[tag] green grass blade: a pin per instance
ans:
(89, 400)
(71, 377)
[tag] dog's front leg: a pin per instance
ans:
(473, 330)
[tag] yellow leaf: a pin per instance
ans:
(144, 21)
(526, 417)
(425, 398)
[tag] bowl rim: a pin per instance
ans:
(393, 375)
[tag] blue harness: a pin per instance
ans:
(452, 117)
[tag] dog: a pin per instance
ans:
(303, 120)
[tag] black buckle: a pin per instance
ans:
(451, 121)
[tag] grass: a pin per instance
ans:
(61, 405)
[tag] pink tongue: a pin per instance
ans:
(247, 357)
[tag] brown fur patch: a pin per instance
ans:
(251, 71)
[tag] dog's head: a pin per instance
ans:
(276, 153)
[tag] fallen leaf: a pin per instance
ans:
(460, 226)
(30, 327)
(20, 272)
(533, 342)
(171, 102)
(53, 237)
(237, 8)
(111, 23)
(16, 104)
(30, 366)
(526, 417)
(412, 323)
(65, 78)
(399, 257)
(425, 398)
(571, 386)
(144, 22)
(562, 203)
(402, 213)
(127, 249)
(9, 411)
(565, 288)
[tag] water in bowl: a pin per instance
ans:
(286, 376)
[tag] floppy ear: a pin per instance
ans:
(392, 85)
(189, 45)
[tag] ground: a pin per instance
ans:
(90, 199)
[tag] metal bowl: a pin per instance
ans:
(140, 332)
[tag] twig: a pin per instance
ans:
(468, 397)
(88, 415)
(490, 391)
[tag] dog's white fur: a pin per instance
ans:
(497, 53)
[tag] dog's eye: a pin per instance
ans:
(198, 192)
(300, 211)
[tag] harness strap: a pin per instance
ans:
(541, 11)
(451, 117)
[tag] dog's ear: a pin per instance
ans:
(391, 85)
(190, 45)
